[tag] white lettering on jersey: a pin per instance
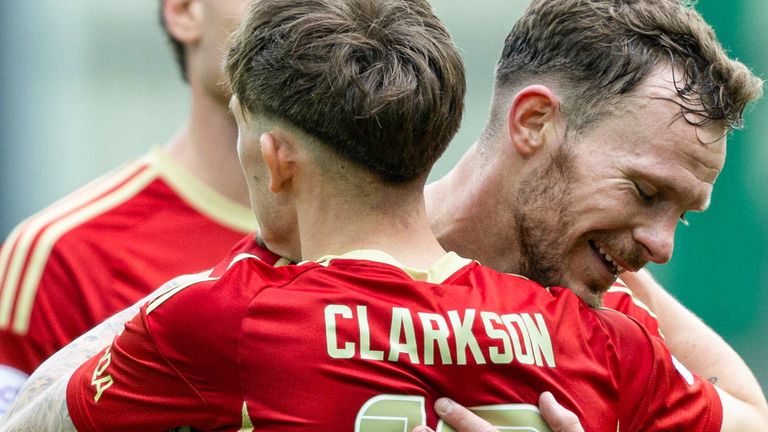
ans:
(97, 380)
(402, 324)
(520, 337)
(365, 336)
(462, 331)
(331, 311)
(435, 332)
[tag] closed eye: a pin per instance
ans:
(645, 195)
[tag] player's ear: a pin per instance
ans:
(278, 151)
(533, 119)
(183, 20)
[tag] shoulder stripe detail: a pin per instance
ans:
(7, 294)
(37, 240)
(173, 291)
(639, 303)
(202, 197)
(283, 262)
(241, 257)
(247, 423)
(183, 282)
(15, 250)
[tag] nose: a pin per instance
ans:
(657, 238)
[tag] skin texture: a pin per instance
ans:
(558, 418)
(622, 185)
(632, 177)
(204, 143)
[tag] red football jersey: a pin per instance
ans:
(360, 343)
(620, 298)
(104, 247)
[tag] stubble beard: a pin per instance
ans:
(541, 214)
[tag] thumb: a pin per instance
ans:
(557, 417)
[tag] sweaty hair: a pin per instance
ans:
(178, 48)
(598, 50)
(379, 82)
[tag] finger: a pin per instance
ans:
(460, 418)
(557, 417)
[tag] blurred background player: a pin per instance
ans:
(176, 210)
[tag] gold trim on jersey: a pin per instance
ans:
(202, 197)
(34, 269)
(241, 256)
(162, 298)
(441, 270)
(247, 422)
(53, 222)
(639, 303)
(184, 282)
(282, 262)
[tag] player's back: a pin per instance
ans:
(364, 345)
(360, 343)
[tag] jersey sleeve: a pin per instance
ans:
(34, 286)
(173, 366)
(657, 391)
(620, 298)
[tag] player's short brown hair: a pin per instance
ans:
(600, 49)
(379, 82)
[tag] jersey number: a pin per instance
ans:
(399, 413)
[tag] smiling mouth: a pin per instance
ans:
(609, 263)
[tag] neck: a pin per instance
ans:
(207, 146)
(398, 226)
(465, 210)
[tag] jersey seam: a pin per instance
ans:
(246, 311)
(169, 363)
(612, 345)
(653, 378)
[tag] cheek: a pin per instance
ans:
(604, 208)
(249, 151)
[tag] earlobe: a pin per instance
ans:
(183, 20)
(276, 153)
(531, 118)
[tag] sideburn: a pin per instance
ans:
(541, 218)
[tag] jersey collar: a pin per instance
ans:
(441, 270)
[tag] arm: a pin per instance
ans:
(46, 413)
(460, 418)
(70, 357)
(81, 349)
(739, 416)
(696, 345)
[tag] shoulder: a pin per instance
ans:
(67, 222)
(60, 238)
(620, 298)
(228, 287)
